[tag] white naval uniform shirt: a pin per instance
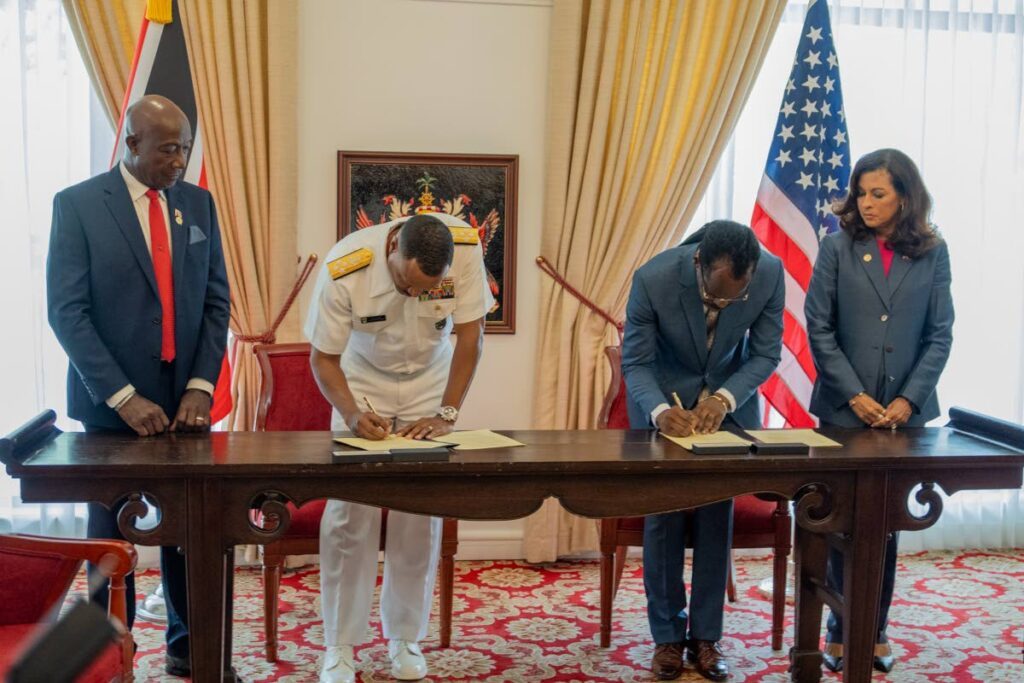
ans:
(362, 317)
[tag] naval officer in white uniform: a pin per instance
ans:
(385, 306)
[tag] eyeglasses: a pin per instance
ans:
(717, 301)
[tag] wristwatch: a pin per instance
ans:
(449, 413)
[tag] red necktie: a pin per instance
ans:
(164, 278)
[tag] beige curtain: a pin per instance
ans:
(106, 32)
(642, 98)
(244, 61)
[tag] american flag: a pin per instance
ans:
(808, 167)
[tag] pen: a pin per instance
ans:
(374, 411)
(675, 397)
(370, 406)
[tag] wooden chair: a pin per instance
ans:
(290, 400)
(35, 575)
(757, 523)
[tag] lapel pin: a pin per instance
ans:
(867, 258)
(178, 217)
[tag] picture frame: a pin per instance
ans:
(481, 189)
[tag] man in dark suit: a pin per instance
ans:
(137, 295)
(704, 322)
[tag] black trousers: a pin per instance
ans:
(103, 524)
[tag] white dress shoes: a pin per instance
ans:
(407, 662)
(339, 665)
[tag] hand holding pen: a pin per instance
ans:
(370, 425)
(676, 421)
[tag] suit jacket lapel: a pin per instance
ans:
(901, 265)
(178, 235)
(871, 259)
(120, 204)
(693, 307)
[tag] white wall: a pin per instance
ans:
(433, 76)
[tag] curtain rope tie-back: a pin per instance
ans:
(546, 266)
(270, 335)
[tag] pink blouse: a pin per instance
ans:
(887, 253)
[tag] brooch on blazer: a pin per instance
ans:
(178, 218)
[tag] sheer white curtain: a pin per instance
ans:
(941, 80)
(52, 137)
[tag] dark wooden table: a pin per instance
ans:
(205, 487)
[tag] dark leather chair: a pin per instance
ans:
(35, 575)
(290, 400)
(757, 523)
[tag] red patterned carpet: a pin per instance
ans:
(957, 617)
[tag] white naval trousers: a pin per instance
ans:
(350, 532)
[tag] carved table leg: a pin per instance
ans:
(206, 581)
(811, 560)
(229, 605)
(862, 574)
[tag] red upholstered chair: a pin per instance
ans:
(757, 523)
(35, 574)
(290, 400)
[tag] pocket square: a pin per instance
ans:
(195, 234)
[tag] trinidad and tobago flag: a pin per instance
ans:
(161, 67)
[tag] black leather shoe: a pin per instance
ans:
(178, 666)
(709, 659)
(833, 657)
(667, 663)
(182, 668)
(884, 659)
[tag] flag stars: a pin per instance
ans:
(826, 108)
(783, 158)
(839, 137)
(821, 136)
(836, 160)
(832, 184)
(790, 87)
(811, 83)
(809, 107)
(806, 180)
(787, 109)
(809, 131)
(824, 207)
(830, 84)
(785, 132)
(808, 156)
(842, 115)
(814, 35)
(813, 59)
(822, 232)
(832, 61)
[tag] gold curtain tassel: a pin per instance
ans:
(159, 11)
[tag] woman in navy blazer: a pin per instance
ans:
(880, 324)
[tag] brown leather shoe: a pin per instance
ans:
(709, 659)
(667, 663)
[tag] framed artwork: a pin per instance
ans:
(481, 189)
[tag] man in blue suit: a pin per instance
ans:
(137, 294)
(704, 322)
